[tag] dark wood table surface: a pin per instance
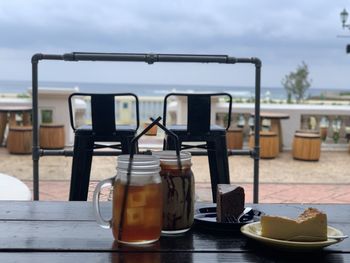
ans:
(67, 232)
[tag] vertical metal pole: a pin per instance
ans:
(257, 131)
(35, 150)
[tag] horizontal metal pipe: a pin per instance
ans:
(195, 58)
(152, 58)
(145, 57)
(38, 56)
(56, 152)
(52, 57)
(239, 152)
(149, 58)
(69, 153)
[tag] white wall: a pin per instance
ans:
(56, 99)
(289, 126)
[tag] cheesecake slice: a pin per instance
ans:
(311, 225)
(229, 202)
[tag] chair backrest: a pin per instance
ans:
(199, 110)
(103, 117)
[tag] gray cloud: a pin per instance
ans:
(110, 23)
(282, 33)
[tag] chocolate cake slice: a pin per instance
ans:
(229, 202)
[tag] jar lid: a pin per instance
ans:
(170, 157)
(145, 169)
(140, 162)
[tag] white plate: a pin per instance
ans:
(253, 231)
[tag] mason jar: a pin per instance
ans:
(142, 215)
(178, 191)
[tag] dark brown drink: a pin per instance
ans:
(178, 191)
(178, 198)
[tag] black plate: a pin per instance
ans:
(205, 217)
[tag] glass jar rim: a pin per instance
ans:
(169, 157)
(140, 172)
(138, 160)
(169, 154)
(139, 168)
(139, 177)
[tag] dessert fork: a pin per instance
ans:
(233, 219)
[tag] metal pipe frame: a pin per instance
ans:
(149, 58)
(69, 153)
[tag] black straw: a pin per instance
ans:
(176, 139)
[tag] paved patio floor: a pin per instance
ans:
(268, 193)
(282, 180)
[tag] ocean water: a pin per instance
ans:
(21, 87)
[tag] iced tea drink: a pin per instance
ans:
(143, 215)
(137, 201)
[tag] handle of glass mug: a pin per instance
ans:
(96, 202)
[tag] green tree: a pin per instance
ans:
(297, 83)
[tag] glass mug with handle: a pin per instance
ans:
(178, 191)
(142, 216)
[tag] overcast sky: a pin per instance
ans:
(281, 33)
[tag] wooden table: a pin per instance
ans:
(12, 110)
(67, 232)
(275, 119)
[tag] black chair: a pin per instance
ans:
(103, 128)
(199, 129)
